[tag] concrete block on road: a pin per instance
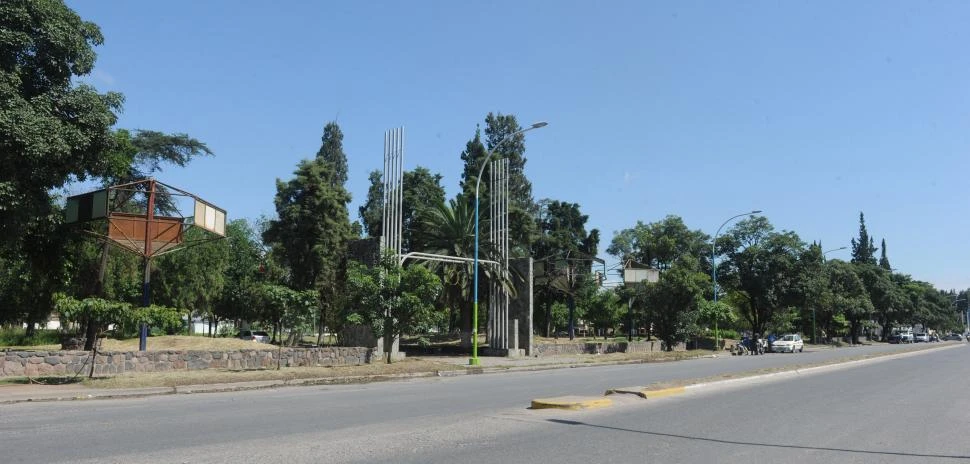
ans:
(572, 403)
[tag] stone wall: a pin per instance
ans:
(554, 349)
(39, 363)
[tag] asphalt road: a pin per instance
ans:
(903, 410)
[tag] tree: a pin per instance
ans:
(812, 291)
(245, 271)
(602, 307)
(564, 252)
(313, 227)
(887, 300)
(422, 193)
(393, 300)
(761, 267)
(849, 296)
(658, 244)
(449, 229)
(673, 303)
(332, 151)
(194, 278)
(863, 251)
(372, 211)
(883, 260)
(497, 128)
(52, 129)
(286, 308)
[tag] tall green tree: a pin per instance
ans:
(311, 230)
(564, 253)
(863, 250)
(245, 271)
(884, 260)
(52, 128)
(812, 290)
(761, 267)
(849, 296)
(422, 193)
(521, 205)
(885, 296)
(659, 244)
(602, 307)
(372, 211)
(673, 303)
(332, 151)
(192, 279)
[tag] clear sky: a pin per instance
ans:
(809, 110)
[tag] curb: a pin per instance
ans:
(572, 403)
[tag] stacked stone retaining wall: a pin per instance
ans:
(555, 349)
(39, 363)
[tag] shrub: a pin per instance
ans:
(18, 337)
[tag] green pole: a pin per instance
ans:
(474, 361)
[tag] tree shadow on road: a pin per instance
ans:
(767, 445)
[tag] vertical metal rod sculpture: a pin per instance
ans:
(498, 321)
(393, 195)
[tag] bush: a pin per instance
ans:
(728, 333)
(18, 337)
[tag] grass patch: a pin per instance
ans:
(17, 337)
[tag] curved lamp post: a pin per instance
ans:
(814, 333)
(714, 265)
(478, 182)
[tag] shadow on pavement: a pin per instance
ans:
(768, 445)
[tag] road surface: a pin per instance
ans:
(911, 409)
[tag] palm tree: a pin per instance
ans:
(450, 230)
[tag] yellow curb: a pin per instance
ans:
(664, 392)
(572, 403)
(647, 393)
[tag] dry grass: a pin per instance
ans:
(184, 342)
(349, 374)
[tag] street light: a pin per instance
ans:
(478, 182)
(714, 266)
(834, 249)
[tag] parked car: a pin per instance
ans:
(906, 337)
(257, 336)
(952, 337)
(894, 338)
(788, 343)
(921, 338)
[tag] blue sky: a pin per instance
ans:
(811, 111)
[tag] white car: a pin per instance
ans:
(788, 343)
(257, 336)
